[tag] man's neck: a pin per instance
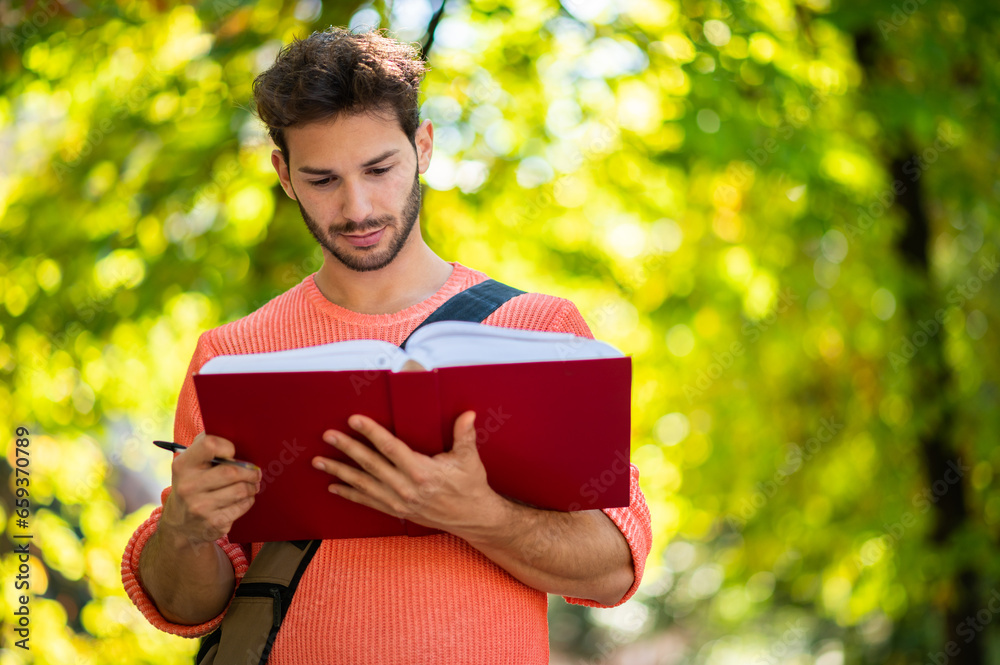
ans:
(410, 279)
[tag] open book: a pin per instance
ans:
(441, 344)
(552, 419)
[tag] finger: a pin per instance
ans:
(233, 495)
(388, 448)
(352, 494)
(412, 366)
(210, 515)
(357, 479)
(370, 461)
(221, 521)
(465, 432)
(396, 451)
(222, 476)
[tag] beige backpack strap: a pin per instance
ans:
(262, 599)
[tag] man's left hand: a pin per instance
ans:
(447, 491)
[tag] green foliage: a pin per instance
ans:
(786, 213)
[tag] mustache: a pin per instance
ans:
(367, 226)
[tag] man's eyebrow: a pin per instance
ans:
(385, 155)
(315, 170)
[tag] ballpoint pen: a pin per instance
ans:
(178, 448)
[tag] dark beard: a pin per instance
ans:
(365, 259)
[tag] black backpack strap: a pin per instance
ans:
(473, 304)
(262, 599)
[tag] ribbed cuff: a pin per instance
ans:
(142, 600)
(634, 523)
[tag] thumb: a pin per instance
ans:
(465, 432)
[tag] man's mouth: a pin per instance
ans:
(366, 239)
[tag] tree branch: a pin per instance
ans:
(431, 28)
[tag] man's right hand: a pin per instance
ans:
(206, 499)
(187, 575)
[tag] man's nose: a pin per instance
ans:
(357, 202)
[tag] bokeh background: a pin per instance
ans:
(786, 212)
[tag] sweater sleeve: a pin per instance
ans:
(187, 424)
(634, 520)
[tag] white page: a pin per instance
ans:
(441, 344)
(357, 354)
(461, 343)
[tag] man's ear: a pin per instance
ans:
(424, 140)
(278, 162)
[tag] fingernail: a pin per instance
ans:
(331, 438)
(354, 422)
(319, 464)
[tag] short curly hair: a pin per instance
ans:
(337, 71)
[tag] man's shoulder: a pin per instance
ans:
(542, 304)
(540, 311)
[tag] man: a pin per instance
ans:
(342, 110)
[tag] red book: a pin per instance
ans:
(552, 420)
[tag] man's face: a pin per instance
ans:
(356, 176)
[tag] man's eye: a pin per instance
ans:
(319, 183)
(382, 171)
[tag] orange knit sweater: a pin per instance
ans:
(431, 599)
